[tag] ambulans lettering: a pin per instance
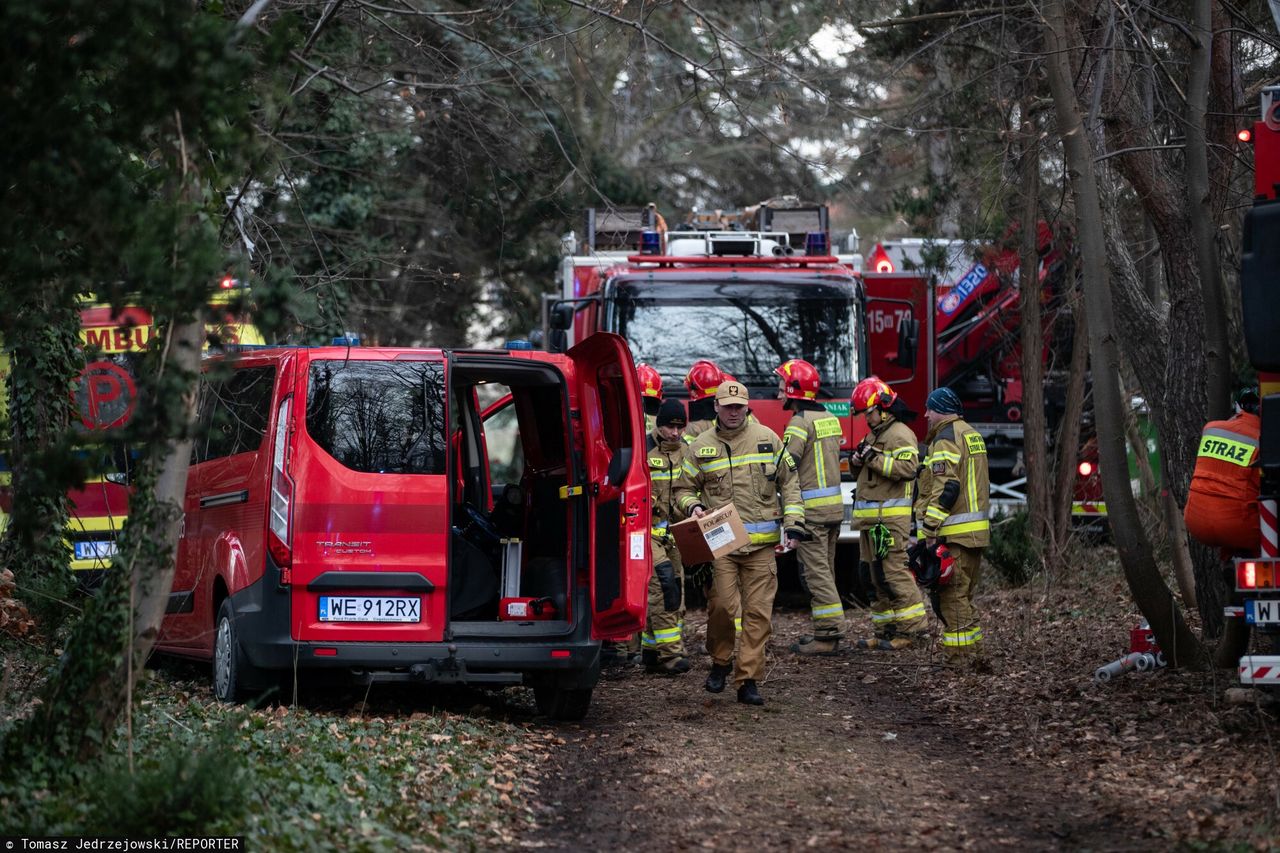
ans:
(117, 340)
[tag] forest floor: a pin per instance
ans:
(865, 750)
(886, 750)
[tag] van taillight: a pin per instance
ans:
(280, 523)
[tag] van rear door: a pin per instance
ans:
(617, 483)
(370, 518)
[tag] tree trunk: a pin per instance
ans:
(1141, 572)
(41, 332)
(1200, 212)
(1034, 441)
(1068, 438)
(114, 638)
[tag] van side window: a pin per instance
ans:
(233, 413)
(379, 416)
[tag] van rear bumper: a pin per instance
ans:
(263, 618)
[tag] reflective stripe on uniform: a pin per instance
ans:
(964, 522)
(736, 462)
(764, 532)
(915, 611)
(647, 639)
(827, 611)
(826, 491)
(882, 509)
(795, 432)
(737, 625)
(794, 509)
(942, 456)
(667, 635)
(1228, 446)
(881, 616)
(826, 496)
(956, 639)
(663, 474)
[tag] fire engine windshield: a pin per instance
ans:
(746, 327)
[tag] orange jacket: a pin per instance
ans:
(1227, 459)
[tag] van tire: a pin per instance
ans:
(233, 675)
(569, 704)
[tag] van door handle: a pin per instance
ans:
(225, 499)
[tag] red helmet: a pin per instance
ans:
(703, 379)
(872, 392)
(801, 379)
(650, 381)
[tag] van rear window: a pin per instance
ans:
(379, 416)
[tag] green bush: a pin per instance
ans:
(1013, 553)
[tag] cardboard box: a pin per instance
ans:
(717, 533)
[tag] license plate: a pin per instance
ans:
(95, 550)
(370, 608)
(1262, 611)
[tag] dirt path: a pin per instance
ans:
(845, 754)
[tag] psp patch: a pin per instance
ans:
(708, 451)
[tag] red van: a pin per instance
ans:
(414, 515)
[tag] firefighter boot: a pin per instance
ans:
(649, 658)
(748, 694)
(891, 643)
(823, 646)
(716, 678)
(671, 666)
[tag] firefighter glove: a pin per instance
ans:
(881, 540)
(799, 534)
(670, 585)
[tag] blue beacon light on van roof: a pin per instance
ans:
(815, 243)
(518, 344)
(347, 340)
(650, 243)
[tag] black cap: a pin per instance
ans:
(671, 413)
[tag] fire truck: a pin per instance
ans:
(747, 291)
(105, 397)
(1258, 576)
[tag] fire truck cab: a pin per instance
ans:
(747, 292)
(434, 516)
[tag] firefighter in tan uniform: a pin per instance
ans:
(738, 463)
(812, 441)
(663, 637)
(952, 506)
(885, 464)
(702, 380)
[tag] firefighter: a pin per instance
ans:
(1222, 505)
(738, 462)
(812, 441)
(885, 464)
(663, 635)
(650, 393)
(952, 507)
(702, 380)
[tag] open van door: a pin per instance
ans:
(900, 335)
(617, 484)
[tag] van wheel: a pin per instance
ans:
(562, 703)
(232, 672)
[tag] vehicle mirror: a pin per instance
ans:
(619, 465)
(560, 317)
(557, 340)
(908, 342)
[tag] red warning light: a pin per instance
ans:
(1086, 468)
(1244, 134)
